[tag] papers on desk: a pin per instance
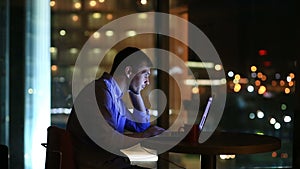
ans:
(139, 153)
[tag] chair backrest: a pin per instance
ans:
(60, 154)
(4, 156)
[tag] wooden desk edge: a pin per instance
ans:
(205, 148)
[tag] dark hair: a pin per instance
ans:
(129, 56)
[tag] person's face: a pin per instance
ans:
(140, 79)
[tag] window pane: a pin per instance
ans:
(260, 99)
(75, 23)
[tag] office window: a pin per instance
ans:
(75, 23)
(260, 91)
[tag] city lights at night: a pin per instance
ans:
(241, 54)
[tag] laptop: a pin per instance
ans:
(179, 134)
(205, 114)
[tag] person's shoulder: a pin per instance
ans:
(105, 82)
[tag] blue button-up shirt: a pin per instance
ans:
(109, 98)
(115, 113)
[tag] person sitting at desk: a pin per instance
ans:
(129, 73)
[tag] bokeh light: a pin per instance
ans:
(230, 74)
(253, 68)
(260, 114)
(262, 90)
(250, 88)
(272, 120)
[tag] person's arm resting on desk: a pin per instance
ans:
(142, 118)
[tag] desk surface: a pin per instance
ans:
(223, 143)
(230, 143)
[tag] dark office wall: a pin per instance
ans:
(163, 84)
(17, 83)
(3, 71)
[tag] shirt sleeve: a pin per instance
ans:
(142, 117)
(140, 122)
(110, 110)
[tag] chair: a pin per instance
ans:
(59, 154)
(4, 156)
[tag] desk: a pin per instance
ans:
(220, 143)
(227, 143)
